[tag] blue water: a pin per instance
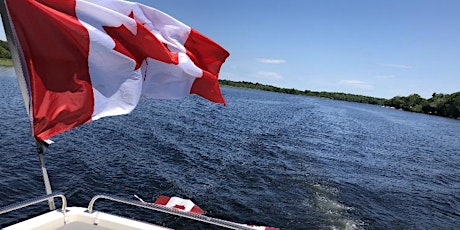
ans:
(268, 159)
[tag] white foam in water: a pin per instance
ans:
(334, 211)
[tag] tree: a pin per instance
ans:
(452, 105)
(4, 50)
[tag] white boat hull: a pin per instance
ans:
(77, 218)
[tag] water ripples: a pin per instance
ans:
(265, 158)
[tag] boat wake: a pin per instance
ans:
(336, 214)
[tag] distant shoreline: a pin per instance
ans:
(444, 105)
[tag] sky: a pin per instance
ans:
(379, 48)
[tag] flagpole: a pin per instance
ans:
(18, 60)
(21, 73)
(41, 147)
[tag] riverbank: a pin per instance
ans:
(6, 62)
(444, 105)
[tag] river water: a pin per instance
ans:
(271, 159)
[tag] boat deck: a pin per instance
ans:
(79, 218)
(81, 226)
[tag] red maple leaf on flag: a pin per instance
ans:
(141, 45)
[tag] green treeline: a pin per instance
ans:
(4, 50)
(334, 96)
(446, 105)
(5, 55)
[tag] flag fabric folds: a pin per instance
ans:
(87, 59)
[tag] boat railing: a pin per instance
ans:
(164, 209)
(37, 200)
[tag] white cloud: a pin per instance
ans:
(398, 66)
(268, 75)
(356, 84)
(270, 60)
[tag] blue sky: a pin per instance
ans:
(376, 48)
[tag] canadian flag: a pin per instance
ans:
(188, 206)
(260, 227)
(87, 59)
(179, 203)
